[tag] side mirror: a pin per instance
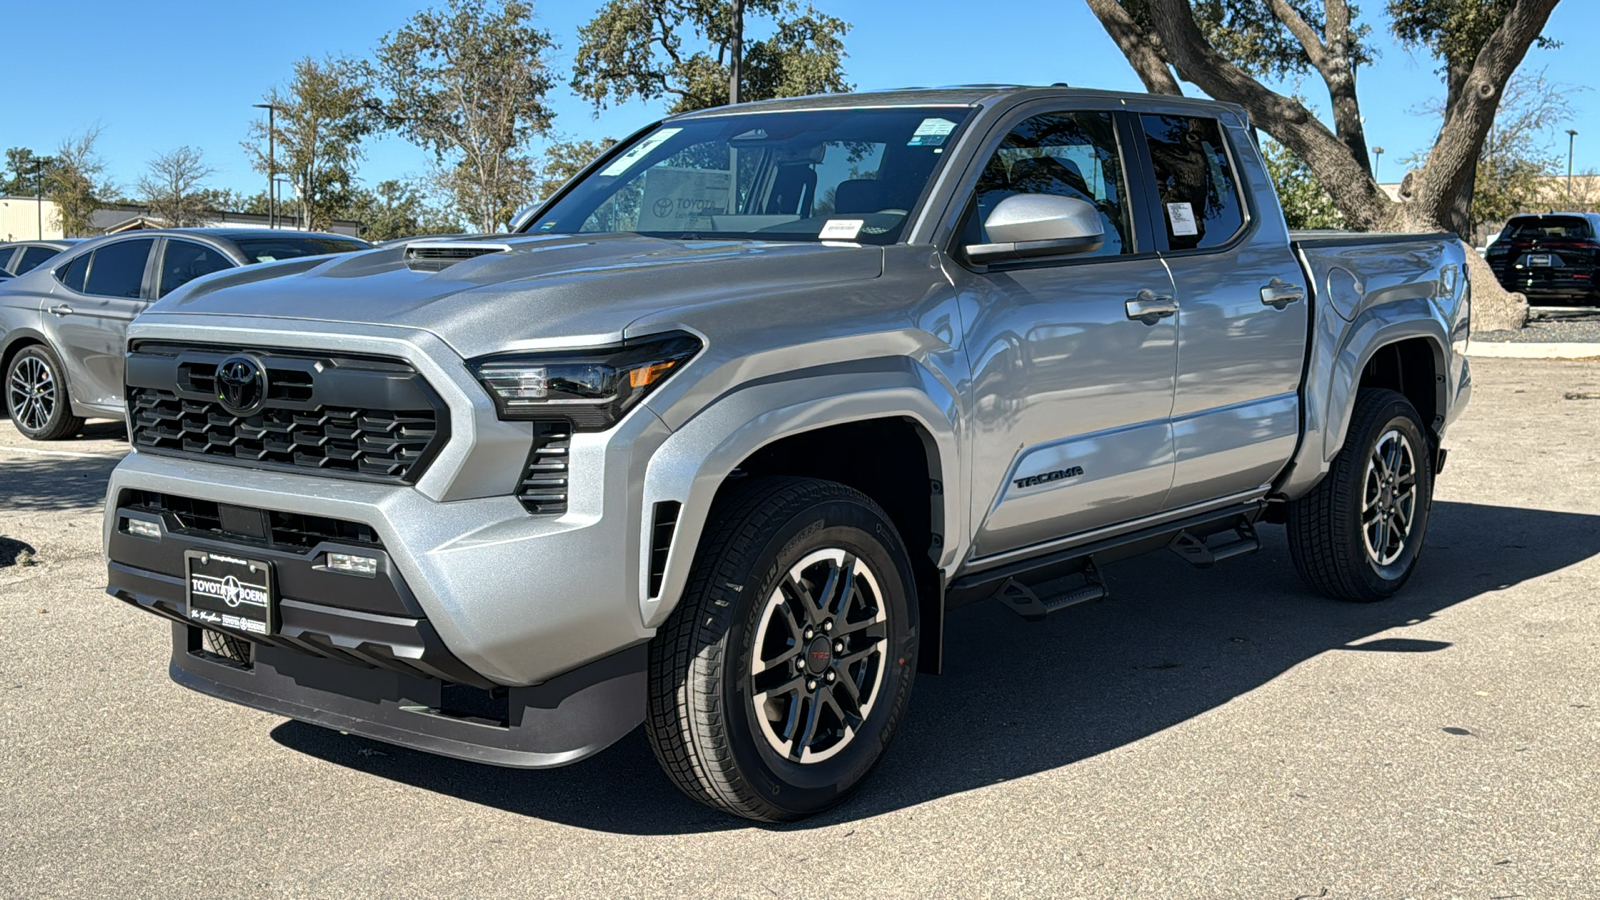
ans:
(1026, 226)
(523, 216)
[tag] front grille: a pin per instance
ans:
(294, 532)
(543, 488)
(355, 417)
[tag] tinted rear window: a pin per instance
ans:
(1545, 228)
(268, 249)
(72, 273)
(33, 256)
(1195, 181)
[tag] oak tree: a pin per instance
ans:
(468, 84)
(695, 53)
(318, 123)
(76, 184)
(1226, 48)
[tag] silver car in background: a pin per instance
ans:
(22, 257)
(62, 325)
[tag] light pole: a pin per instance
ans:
(1378, 153)
(38, 192)
(1571, 137)
(272, 161)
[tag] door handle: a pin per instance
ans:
(1280, 294)
(61, 309)
(1150, 309)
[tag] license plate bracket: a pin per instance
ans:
(1538, 260)
(230, 592)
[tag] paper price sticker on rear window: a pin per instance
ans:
(639, 151)
(1181, 215)
(931, 133)
(841, 229)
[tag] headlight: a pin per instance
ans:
(593, 388)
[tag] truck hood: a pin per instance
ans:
(525, 291)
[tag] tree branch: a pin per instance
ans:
(1358, 197)
(1333, 57)
(1142, 49)
(1454, 156)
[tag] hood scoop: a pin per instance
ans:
(436, 256)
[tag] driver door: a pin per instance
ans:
(1071, 395)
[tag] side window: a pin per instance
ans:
(184, 261)
(1195, 181)
(72, 273)
(118, 269)
(1066, 154)
(33, 256)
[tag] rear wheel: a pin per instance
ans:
(787, 667)
(1358, 534)
(36, 395)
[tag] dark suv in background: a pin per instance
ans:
(1551, 258)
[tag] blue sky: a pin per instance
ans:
(157, 74)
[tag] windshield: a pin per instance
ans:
(1545, 228)
(850, 175)
(271, 249)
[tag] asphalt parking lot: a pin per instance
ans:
(1219, 733)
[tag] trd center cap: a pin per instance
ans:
(818, 655)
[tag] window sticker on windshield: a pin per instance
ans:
(1182, 217)
(639, 151)
(841, 229)
(931, 133)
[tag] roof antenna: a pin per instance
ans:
(1061, 84)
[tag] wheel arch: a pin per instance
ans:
(1403, 345)
(806, 426)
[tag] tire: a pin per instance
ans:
(36, 395)
(1334, 551)
(740, 615)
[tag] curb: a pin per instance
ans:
(1533, 350)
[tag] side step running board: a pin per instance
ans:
(1201, 555)
(1022, 600)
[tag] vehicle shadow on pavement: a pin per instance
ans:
(53, 483)
(1019, 698)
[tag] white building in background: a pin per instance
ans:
(25, 218)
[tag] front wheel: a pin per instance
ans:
(1358, 534)
(779, 680)
(36, 396)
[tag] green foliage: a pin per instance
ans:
(395, 210)
(468, 83)
(1305, 203)
(649, 49)
(24, 172)
(76, 184)
(319, 123)
(1247, 32)
(172, 187)
(1452, 30)
(563, 160)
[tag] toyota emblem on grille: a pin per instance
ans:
(241, 385)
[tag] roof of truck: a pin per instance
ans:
(955, 95)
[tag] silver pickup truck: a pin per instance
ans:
(716, 438)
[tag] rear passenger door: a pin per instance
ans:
(98, 294)
(1242, 306)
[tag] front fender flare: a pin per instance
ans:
(691, 465)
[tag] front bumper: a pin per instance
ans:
(553, 724)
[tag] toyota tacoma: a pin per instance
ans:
(714, 439)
